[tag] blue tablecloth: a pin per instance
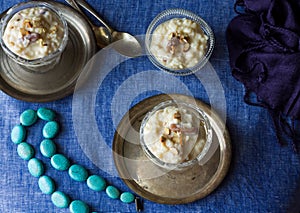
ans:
(263, 176)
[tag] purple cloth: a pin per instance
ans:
(264, 51)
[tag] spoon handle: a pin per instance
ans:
(86, 6)
(73, 4)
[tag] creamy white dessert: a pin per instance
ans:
(34, 33)
(179, 43)
(173, 135)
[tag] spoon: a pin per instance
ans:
(102, 35)
(123, 42)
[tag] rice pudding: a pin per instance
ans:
(174, 135)
(34, 33)
(178, 43)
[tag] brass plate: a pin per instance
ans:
(154, 183)
(60, 81)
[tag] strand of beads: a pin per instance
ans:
(57, 161)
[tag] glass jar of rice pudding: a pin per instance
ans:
(179, 42)
(34, 35)
(175, 135)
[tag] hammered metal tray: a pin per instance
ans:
(156, 184)
(60, 81)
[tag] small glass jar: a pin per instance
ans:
(204, 135)
(162, 59)
(45, 24)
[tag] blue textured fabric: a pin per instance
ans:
(263, 176)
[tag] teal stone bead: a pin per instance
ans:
(60, 199)
(18, 134)
(35, 167)
(127, 197)
(50, 129)
(60, 162)
(78, 173)
(112, 192)
(77, 206)
(46, 114)
(47, 148)
(96, 183)
(28, 117)
(25, 151)
(46, 185)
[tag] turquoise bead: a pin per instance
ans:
(18, 134)
(50, 129)
(46, 114)
(25, 151)
(96, 183)
(28, 117)
(60, 162)
(77, 206)
(78, 173)
(35, 167)
(47, 148)
(46, 185)
(127, 197)
(112, 192)
(60, 199)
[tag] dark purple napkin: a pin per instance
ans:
(264, 50)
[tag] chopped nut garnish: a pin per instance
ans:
(53, 29)
(172, 35)
(167, 131)
(186, 47)
(172, 50)
(24, 32)
(175, 39)
(163, 139)
(177, 115)
(175, 128)
(28, 25)
(177, 138)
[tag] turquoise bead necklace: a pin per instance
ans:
(58, 161)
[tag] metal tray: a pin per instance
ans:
(154, 183)
(60, 81)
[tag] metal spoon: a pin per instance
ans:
(102, 35)
(125, 43)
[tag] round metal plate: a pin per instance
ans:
(59, 81)
(169, 187)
